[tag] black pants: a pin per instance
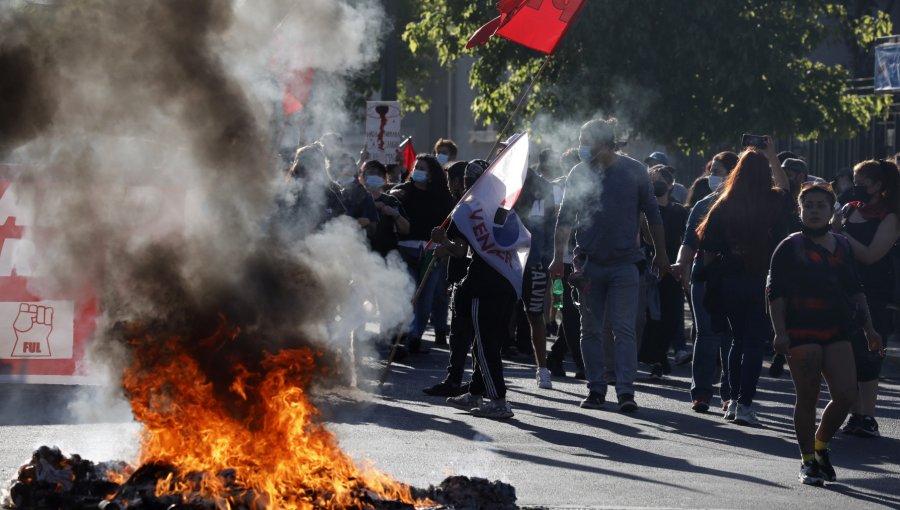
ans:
(569, 339)
(487, 319)
(658, 334)
(461, 334)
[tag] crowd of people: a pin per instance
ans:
(766, 257)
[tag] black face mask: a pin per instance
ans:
(855, 194)
(815, 232)
(660, 188)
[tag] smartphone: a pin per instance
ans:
(758, 141)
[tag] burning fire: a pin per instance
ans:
(260, 448)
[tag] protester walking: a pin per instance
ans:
(816, 303)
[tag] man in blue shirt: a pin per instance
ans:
(603, 200)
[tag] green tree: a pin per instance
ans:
(696, 73)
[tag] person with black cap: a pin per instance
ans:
(679, 192)
(602, 202)
(483, 302)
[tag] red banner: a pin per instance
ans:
(42, 338)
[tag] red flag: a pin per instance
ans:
(536, 24)
(409, 154)
(296, 90)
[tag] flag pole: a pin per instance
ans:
(519, 104)
(446, 222)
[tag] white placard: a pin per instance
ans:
(37, 330)
(383, 130)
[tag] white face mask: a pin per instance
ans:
(715, 181)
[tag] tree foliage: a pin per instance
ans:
(693, 73)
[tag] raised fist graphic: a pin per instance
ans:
(33, 326)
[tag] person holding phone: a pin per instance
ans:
(748, 219)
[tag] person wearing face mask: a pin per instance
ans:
(453, 244)
(870, 223)
(357, 200)
(668, 330)
(445, 151)
(816, 303)
(713, 338)
(602, 201)
(308, 189)
(427, 202)
(392, 220)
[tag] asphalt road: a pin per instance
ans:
(554, 453)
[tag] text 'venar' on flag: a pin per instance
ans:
(536, 24)
(486, 219)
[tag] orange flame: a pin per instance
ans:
(279, 453)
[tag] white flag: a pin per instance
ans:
(485, 216)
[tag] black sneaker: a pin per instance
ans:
(579, 374)
(777, 366)
(415, 346)
(656, 371)
(594, 400)
(868, 427)
(444, 389)
(555, 365)
(627, 403)
(825, 466)
(853, 423)
(440, 339)
(811, 474)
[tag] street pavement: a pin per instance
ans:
(554, 453)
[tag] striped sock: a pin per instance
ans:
(821, 445)
(807, 457)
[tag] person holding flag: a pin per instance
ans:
(602, 201)
(498, 245)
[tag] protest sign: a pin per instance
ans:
(383, 130)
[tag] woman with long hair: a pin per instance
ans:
(746, 222)
(870, 222)
(817, 303)
(426, 199)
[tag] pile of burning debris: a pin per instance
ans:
(53, 481)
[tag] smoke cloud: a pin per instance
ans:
(146, 130)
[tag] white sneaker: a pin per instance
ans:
(543, 379)
(731, 410)
(746, 416)
(682, 357)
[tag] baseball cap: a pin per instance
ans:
(658, 156)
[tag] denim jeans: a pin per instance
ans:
(422, 310)
(441, 302)
(613, 297)
(709, 346)
(745, 307)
